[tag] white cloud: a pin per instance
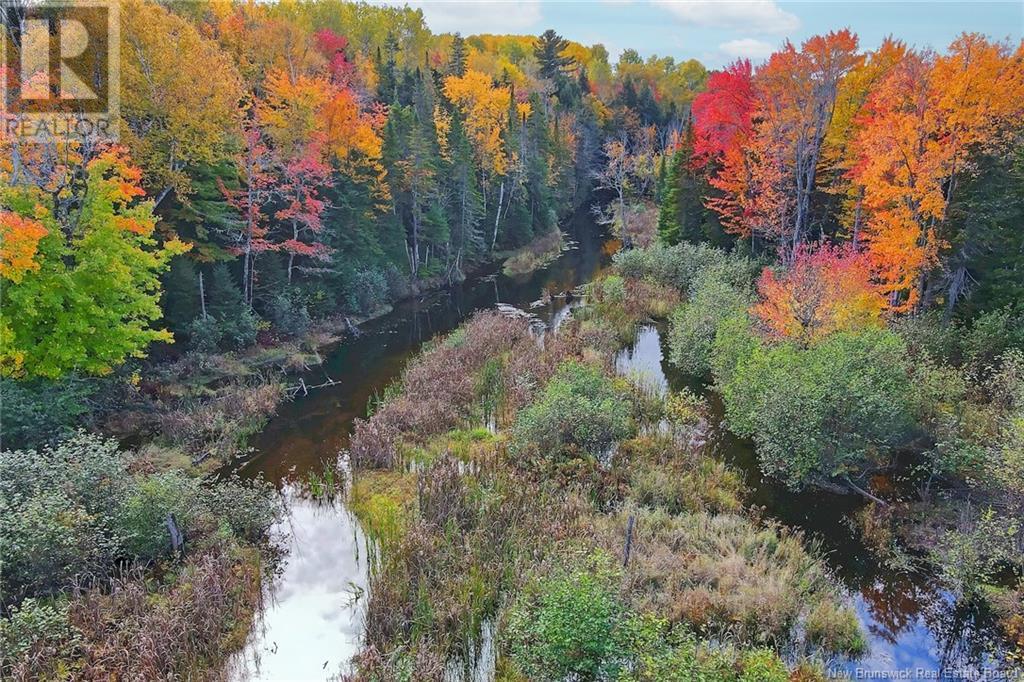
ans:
(750, 16)
(476, 16)
(747, 47)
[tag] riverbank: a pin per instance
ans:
(209, 405)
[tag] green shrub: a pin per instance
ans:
(823, 411)
(77, 508)
(42, 411)
(763, 665)
(289, 314)
(695, 323)
(680, 265)
(33, 636)
(230, 323)
(613, 289)
(368, 291)
(579, 413)
(565, 625)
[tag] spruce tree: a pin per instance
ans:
(669, 217)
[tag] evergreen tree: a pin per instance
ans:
(548, 51)
(669, 210)
(459, 56)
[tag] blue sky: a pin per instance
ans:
(718, 31)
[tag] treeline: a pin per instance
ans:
(911, 159)
(283, 162)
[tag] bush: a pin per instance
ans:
(695, 323)
(77, 509)
(564, 626)
(230, 323)
(41, 411)
(369, 291)
(823, 411)
(579, 413)
(34, 636)
(680, 266)
(763, 665)
(213, 334)
(289, 314)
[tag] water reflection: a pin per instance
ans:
(312, 620)
(309, 628)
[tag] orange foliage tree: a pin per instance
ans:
(918, 134)
(825, 290)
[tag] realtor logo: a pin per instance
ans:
(61, 77)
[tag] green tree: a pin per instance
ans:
(458, 57)
(548, 51)
(90, 303)
(827, 412)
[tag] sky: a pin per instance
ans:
(718, 31)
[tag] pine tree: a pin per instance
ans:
(669, 218)
(548, 51)
(459, 57)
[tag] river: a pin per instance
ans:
(310, 625)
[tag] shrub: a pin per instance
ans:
(564, 625)
(763, 665)
(992, 334)
(77, 508)
(289, 314)
(212, 334)
(678, 266)
(579, 413)
(369, 291)
(42, 411)
(823, 411)
(33, 638)
(695, 323)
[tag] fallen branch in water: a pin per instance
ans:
(865, 493)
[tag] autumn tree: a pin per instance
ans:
(82, 290)
(723, 129)
(824, 290)
(921, 131)
(302, 181)
(797, 91)
(180, 97)
(257, 186)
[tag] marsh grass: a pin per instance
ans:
(729, 578)
(468, 522)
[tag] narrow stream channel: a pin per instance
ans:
(310, 626)
(311, 622)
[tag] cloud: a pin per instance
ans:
(747, 47)
(476, 16)
(751, 16)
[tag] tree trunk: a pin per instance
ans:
(497, 215)
(202, 295)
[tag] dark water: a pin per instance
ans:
(310, 627)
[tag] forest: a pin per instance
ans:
(828, 244)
